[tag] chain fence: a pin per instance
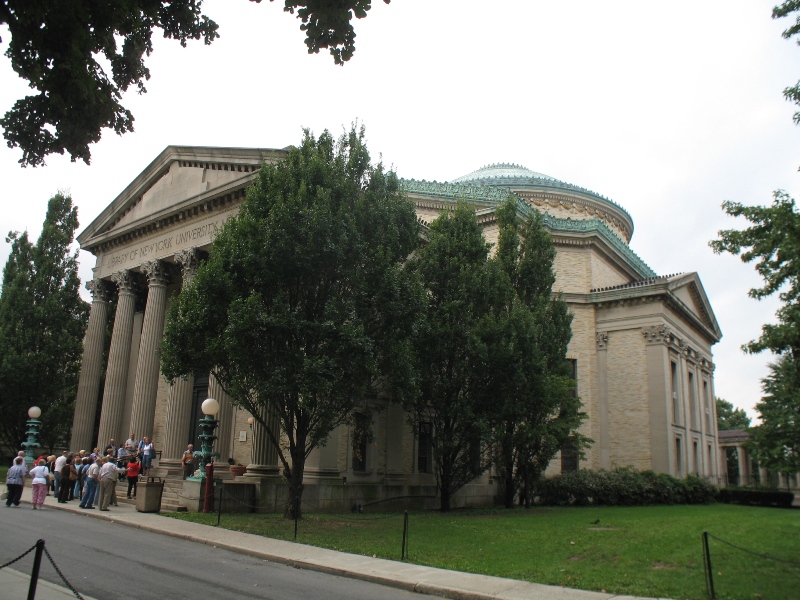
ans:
(40, 548)
(733, 571)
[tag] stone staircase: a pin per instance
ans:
(170, 497)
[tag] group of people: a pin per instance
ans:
(88, 477)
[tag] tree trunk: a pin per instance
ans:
(509, 491)
(294, 507)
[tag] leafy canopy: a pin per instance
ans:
(461, 287)
(729, 417)
(775, 443)
(303, 308)
(42, 320)
(536, 410)
(60, 48)
(773, 240)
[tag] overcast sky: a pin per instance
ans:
(666, 108)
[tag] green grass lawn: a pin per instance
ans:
(653, 551)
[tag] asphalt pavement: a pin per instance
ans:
(395, 574)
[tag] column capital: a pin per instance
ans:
(156, 273)
(125, 281)
(98, 289)
(657, 334)
(189, 260)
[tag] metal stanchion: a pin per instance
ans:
(709, 569)
(37, 562)
(405, 535)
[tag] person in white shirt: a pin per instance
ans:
(108, 481)
(41, 475)
(91, 485)
(60, 462)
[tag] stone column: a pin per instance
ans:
(94, 341)
(742, 456)
(224, 416)
(147, 369)
(264, 462)
(118, 358)
(179, 404)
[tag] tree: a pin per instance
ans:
(775, 443)
(730, 418)
(58, 48)
(303, 307)
(536, 410)
(784, 10)
(42, 320)
(462, 287)
(773, 239)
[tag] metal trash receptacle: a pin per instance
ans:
(148, 494)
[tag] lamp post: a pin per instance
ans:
(34, 412)
(208, 424)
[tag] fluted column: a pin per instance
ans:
(264, 461)
(118, 358)
(91, 368)
(224, 416)
(147, 368)
(179, 404)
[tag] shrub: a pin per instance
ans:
(756, 497)
(622, 487)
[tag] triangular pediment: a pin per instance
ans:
(177, 177)
(688, 291)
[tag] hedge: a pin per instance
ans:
(757, 497)
(622, 487)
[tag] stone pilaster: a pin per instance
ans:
(147, 369)
(264, 462)
(601, 338)
(179, 403)
(118, 358)
(91, 368)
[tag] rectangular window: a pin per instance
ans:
(678, 457)
(676, 404)
(569, 457)
(573, 374)
(708, 410)
(696, 456)
(425, 448)
(693, 402)
(711, 460)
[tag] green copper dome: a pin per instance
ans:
(490, 173)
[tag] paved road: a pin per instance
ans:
(115, 562)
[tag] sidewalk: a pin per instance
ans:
(416, 578)
(14, 584)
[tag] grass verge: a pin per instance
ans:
(652, 551)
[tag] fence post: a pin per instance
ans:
(708, 568)
(219, 505)
(296, 508)
(37, 562)
(405, 535)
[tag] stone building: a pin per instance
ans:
(641, 346)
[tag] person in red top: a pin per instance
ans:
(134, 468)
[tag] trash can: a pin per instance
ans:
(148, 494)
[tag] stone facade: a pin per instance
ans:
(641, 343)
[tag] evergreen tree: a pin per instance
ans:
(535, 408)
(303, 307)
(42, 319)
(462, 287)
(775, 443)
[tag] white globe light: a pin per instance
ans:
(34, 412)
(250, 420)
(210, 407)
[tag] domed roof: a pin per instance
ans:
(501, 171)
